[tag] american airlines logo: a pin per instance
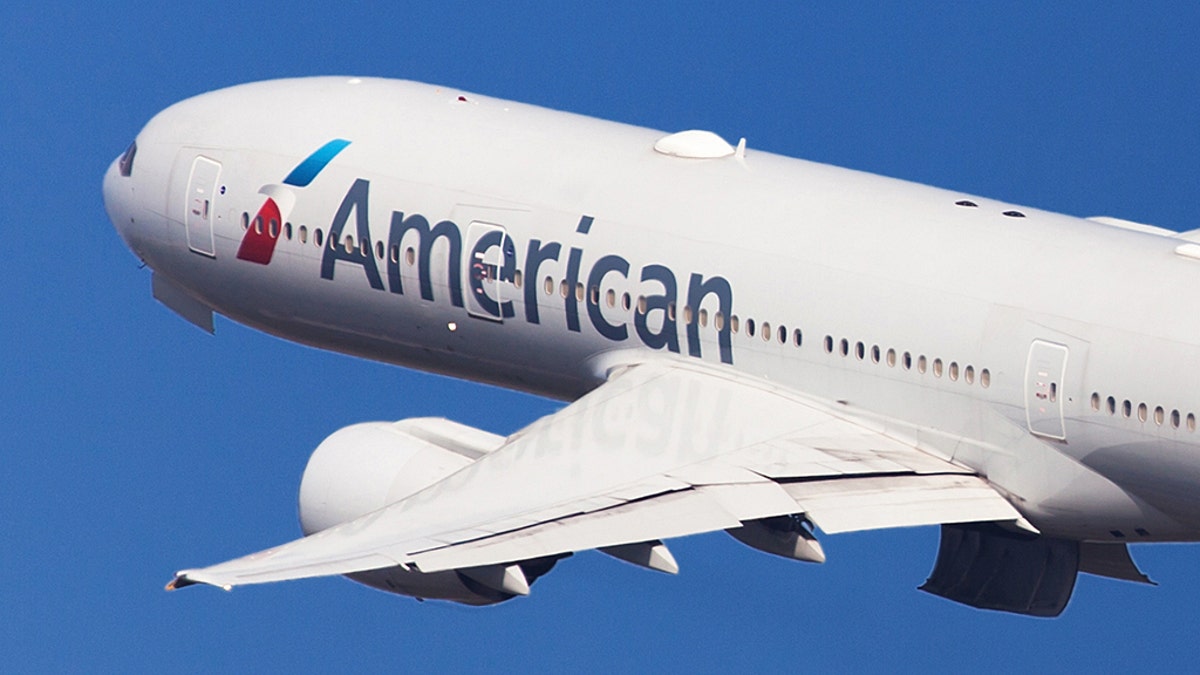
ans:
(258, 244)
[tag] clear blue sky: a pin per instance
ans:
(133, 444)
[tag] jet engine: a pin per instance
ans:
(364, 467)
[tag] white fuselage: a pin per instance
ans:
(995, 340)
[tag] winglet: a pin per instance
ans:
(182, 580)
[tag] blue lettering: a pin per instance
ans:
(572, 302)
(356, 200)
(698, 289)
(425, 239)
(668, 335)
(535, 255)
(609, 263)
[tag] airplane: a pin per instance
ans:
(742, 341)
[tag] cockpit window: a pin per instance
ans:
(126, 163)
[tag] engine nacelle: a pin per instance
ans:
(364, 467)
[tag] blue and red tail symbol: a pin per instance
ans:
(258, 244)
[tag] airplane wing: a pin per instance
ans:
(663, 449)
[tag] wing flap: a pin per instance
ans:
(875, 502)
(674, 514)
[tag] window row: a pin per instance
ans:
(748, 327)
(688, 315)
(1160, 415)
(271, 228)
(907, 361)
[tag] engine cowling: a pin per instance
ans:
(364, 467)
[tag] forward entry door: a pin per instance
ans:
(200, 206)
(1044, 375)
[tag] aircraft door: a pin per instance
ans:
(1044, 375)
(199, 205)
(491, 262)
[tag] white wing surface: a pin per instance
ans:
(661, 450)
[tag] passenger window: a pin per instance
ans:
(303, 234)
(687, 314)
(641, 305)
(410, 255)
(766, 331)
(1159, 415)
(518, 279)
(828, 344)
(875, 353)
(348, 244)
(953, 371)
(891, 358)
(750, 327)
(625, 301)
(845, 345)
(379, 250)
(287, 231)
(1191, 422)
(703, 317)
(1175, 418)
(671, 313)
(860, 350)
(1126, 409)
(564, 289)
(245, 221)
(985, 378)
(921, 364)
(1142, 412)
(610, 297)
(797, 337)
(257, 224)
(317, 237)
(969, 374)
(1095, 401)
(937, 367)
(906, 361)
(733, 323)
(719, 321)
(782, 335)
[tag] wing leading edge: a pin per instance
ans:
(661, 450)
